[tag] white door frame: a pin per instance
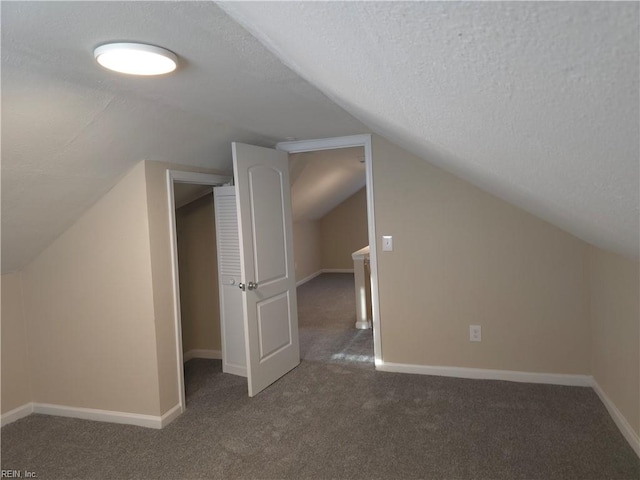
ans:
(346, 142)
(176, 176)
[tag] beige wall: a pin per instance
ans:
(306, 248)
(198, 267)
(89, 308)
(99, 305)
(461, 257)
(16, 373)
(158, 214)
(615, 318)
(98, 301)
(343, 231)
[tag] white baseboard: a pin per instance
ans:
(148, 421)
(310, 277)
(16, 414)
(141, 420)
(622, 423)
(201, 353)
(321, 271)
(483, 374)
(171, 415)
(513, 376)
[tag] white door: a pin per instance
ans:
(234, 357)
(266, 260)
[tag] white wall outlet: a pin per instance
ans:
(387, 243)
(475, 333)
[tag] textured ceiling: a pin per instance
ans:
(536, 102)
(71, 129)
(320, 181)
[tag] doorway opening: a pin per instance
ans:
(194, 265)
(358, 146)
(331, 252)
(198, 278)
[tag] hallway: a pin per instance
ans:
(326, 320)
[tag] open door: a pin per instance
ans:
(266, 261)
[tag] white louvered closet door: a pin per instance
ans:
(234, 359)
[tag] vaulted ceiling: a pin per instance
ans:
(322, 180)
(535, 102)
(71, 129)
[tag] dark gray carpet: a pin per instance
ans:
(336, 417)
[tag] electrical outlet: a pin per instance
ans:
(475, 333)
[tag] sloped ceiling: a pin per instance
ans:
(185, 193)
(320, 181)
(71, 129)
(536, 102)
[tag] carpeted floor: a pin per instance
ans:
(336, 417)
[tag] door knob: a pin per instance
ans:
(252, 286)
(242, 286)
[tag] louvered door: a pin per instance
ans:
(234, 358)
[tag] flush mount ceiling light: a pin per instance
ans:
(136, 58)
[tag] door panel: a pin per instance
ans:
(268, 224)
(273, 329)
(234, 358)
(266, 258)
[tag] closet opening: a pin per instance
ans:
(193, 224)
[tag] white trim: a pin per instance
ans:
(345, 142)
(148, 421)
(171, 415)
(202, 353)
(484, 374)
(196, 178)
(373, 253)
(141, 420)
(623, 425)
(321, 271)
(309, 278)
(16, 414)
(177, 176)
(324, 144)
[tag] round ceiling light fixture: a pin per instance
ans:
(136, 58)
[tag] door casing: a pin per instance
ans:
(176, 176)
(301, 146)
